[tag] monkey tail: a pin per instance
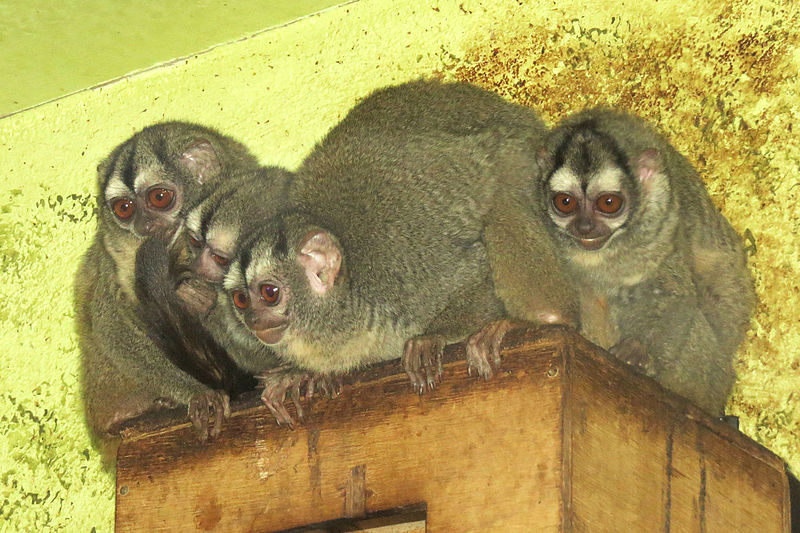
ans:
(180, 335)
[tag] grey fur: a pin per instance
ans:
(124, 372)
(672, 277)
(417, 185)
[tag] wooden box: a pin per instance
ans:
(561, 439)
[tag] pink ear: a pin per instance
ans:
(648, 164)
(321, 259)
(200, 159)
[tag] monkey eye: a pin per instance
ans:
(240, 299)
(160, 198)
(270, 293)
(218, 259)
(609, 203)
(194, 241)
(564, 203)
(123, 208)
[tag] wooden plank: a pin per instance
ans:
(485, 456)
(645, 459)
(563, 437)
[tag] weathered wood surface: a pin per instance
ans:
(562, 439)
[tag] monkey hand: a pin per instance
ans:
(278, 383)
(483, 347)
(196, 296)
(422, 361)
(633, 353)
(205, 406)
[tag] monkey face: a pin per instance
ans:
(244, 202)
(148, 209)
(144, 181)
(212, 255)
(268, 283)
(589, 210)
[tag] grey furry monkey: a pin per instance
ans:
(144, 185)
(213, 229)
(662, 275)
(396, 242)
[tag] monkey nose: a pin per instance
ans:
(584, 226)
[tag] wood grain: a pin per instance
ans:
(562, 439)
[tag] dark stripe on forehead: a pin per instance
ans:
(128, 165)
(211, 207)
(109, 169)
(247, 257)
(281, 248)
(160, 151)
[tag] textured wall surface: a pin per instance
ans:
(48, 49)
(720, 79)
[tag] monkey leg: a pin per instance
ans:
(205, 406)
(422, 361)
(483, 347)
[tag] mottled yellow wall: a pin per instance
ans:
(719, 78)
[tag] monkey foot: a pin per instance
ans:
(205, 407)
(422, 361)
(483, 347)
(633, 353)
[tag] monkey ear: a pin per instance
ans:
(321, 259)
(200, 159)
(648, 164)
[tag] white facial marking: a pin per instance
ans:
(222, 240)
(193, 220)
(146, 178)
(609, 178)
(116, 189)
(564, 179)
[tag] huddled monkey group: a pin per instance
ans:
(433, 213)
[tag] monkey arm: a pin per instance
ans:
(528, 276)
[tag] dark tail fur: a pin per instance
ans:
(179, 334)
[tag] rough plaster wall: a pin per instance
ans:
(720, 79)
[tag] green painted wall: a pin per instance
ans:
(720, 79)
(51, 48)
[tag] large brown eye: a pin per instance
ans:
(564, 203)
(221, 261)
(160, 198)
(270, 293)
(609, 203)
(240, 299)
(123, 208)
(194, 241)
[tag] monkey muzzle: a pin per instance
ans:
(268, 331)
(593, 243)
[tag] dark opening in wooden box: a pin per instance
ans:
(561, 439)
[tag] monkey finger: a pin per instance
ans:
(273, 398)
(218, 405)
(410, 361)
(226, 405)
(476, 356)
(198, 414)
(295, 397)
